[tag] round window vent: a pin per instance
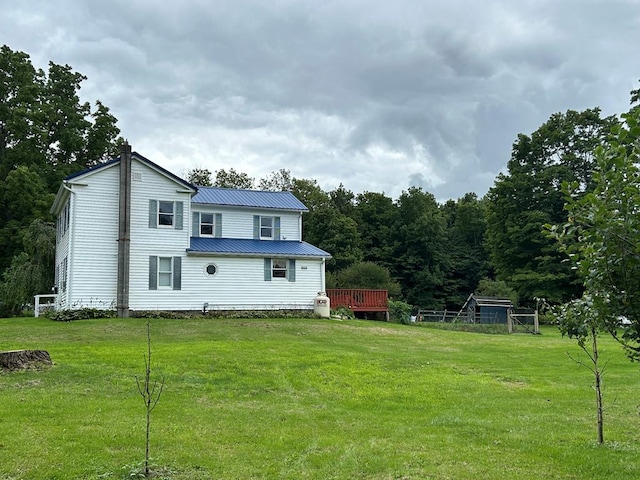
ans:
(211, 269)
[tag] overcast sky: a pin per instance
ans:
(377, 95)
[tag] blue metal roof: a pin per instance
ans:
(248, 198)
(243, 247)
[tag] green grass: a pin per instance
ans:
(312, 399)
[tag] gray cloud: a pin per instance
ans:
(377, 96)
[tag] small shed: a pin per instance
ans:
(481, 309)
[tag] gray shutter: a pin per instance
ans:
(218, 228)
(276, 228)
(256, 227)
(153, 214)
(195, 224)
(153, 272)
(178, 219)
(177, 273)
(267, 269)
(292, 270)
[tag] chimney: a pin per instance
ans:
(124, 230)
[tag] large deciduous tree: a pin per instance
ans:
(46, 133)
(528, 196)
(602, 234)
(466, 259)
(233, 179)
(419, 249)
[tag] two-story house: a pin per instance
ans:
(134, 236)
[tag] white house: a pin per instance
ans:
(134, 236)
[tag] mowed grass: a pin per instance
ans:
(312, 399)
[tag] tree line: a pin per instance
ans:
(427, 253)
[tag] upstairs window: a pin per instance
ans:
(165, 214)
(205, 224)
(266, 227)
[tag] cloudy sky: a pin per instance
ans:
(377, 95)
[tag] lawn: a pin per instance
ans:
(312, 399)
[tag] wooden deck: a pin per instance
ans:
(359, 300)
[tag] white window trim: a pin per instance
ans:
(275, 269)
(170, 273)
(173, 214)
(213, 224)
(272, 227)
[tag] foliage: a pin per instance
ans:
(496, 288)
(601, 235)
(31, 271)
(366, 275)
(279, 181)
(419, 248)
(529, 196)
(580, 321)
(80, 314)
(466, 261)
(224, 314)
(343, 313)
(337, 234)
(377, 219)
(399, 311)
(46, 133)
(200, 177)
(232, 179)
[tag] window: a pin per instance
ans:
(279, 268)
(206, 224)
(211, 269)
(165, 273)
(165, 214)
(63, 221)
(266, 227)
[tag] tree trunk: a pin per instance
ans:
(23, 359)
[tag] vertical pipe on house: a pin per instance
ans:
(124, 230)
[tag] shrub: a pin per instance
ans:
(343, 312)
(368, 275)
(80, 314)
(399, 312)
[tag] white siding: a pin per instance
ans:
(163, 241)
(62, 252)
(238, 222)
(237, 285)
(93, 256)
(91, 246)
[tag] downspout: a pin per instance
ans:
(124, 231)
(322, 275)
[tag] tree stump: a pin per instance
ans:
(24, 359)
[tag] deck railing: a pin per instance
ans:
(359, 300)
